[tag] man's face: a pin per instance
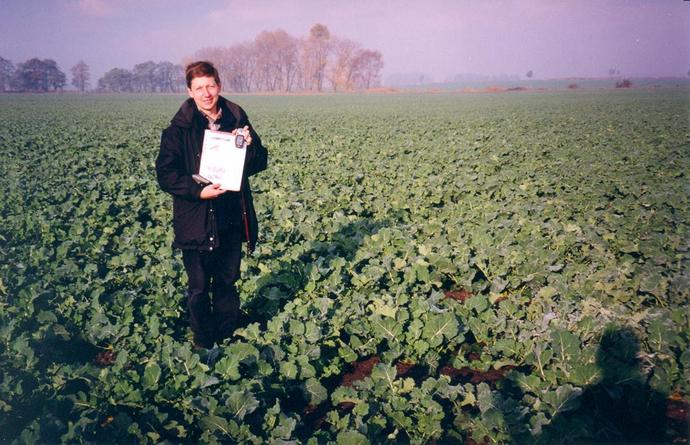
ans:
(205, 91)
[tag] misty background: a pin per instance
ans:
(434, 41)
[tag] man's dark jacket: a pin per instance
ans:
(194, 219)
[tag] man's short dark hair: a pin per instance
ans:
(201, 68)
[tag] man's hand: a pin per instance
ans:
(212, 191)
(246, 133)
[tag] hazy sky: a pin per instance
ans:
(441, 38)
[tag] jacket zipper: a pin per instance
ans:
(246, 224)
(214, 225)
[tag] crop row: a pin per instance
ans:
(445, 268)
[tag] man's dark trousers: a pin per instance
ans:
(212, 299)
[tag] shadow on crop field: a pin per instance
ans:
(28, 399)
(621, 408)
(627, 406)
(294, 273)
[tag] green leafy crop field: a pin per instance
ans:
(433, 268)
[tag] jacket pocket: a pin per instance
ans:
(189, 221)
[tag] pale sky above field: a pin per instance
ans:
(554, 38)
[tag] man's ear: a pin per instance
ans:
(189, 91)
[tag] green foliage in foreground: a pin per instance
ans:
(560, 221)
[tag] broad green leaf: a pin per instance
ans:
(529, 383)
(422, 273)
(510, 348)
(479, 303)
(547, 292)
(383, 374)
(288, 370)
(351, 438)
(361, 409)
(485, 398)
(564, 398)
(421, 347)
(585, 374)
(408, 385)
(440, 328)
(344, 394)
(388, 328)
(286, 426)
(661, 333)
(347, 354)
(297, 328)
(229, 367)
(315, 391)
(565, 345)
(381, 308)
(312, 332)
(215, 423)
(242, 403)
(152, 373)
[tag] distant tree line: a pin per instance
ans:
(33, 75)
(276, 61)
(36, 75)
(273, 61)
(146, 77)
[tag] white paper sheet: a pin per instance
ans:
(221, 161)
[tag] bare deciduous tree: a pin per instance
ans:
(268, 69)
(80, 75)
(243, 66)
(315, 51)
(236, 64)
(341, 71)
(217, 55)
(367, 67)
(287, 56)
(276, 61)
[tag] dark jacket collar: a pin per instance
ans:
(189, 115)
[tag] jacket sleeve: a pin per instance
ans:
(257, 155)
(170, 169)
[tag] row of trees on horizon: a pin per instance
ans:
(276, 61)
(36, 75)
(273, 61)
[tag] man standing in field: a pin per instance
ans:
(209, 222)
